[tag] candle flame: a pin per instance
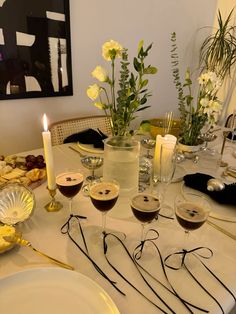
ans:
(45, 123)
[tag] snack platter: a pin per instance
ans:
(29, 170)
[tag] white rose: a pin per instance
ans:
(100, 74)
(93, 91)
(111, 47)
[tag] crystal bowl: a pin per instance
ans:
(16, 203)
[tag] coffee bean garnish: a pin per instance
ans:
(70, 179)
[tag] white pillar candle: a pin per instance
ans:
(48, 155)
(168, 138)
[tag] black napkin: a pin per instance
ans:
(88, 136)
(198, 181)
(230, 135)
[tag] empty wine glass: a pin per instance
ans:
(149, 144)
(104, 195)
(69, 184)
(92, 163)
(145, 208)
(191, 211)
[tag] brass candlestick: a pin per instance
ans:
(53, 205)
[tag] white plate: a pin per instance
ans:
(53, 290)
(90, 149)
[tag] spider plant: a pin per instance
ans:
(218, 51)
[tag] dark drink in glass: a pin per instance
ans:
(69, 183)
(145, 207)
(190, 215)
(104, 195)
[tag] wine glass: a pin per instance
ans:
(69, 184)
(145, 208)
(104, 195)
(149, 144)
(191, 211)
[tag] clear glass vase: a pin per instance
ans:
(121, 162)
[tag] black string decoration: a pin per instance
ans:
(65, 229)
(196, 252)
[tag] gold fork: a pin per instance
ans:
(17, 239)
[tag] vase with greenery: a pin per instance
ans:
(122, 102)
(201, 111)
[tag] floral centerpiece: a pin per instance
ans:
(204, 110)
(132, 93)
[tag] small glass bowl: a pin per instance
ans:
(16, 203)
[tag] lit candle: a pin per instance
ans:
(168, 138)
(48, 155)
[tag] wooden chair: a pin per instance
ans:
(231, 121)
(62, 129)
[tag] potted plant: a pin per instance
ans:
(195, 113)
(218, 50)
(218, 54)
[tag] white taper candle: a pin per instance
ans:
(48, 155)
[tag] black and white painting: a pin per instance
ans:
(35, 53)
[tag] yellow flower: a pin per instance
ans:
(99, 105)
(100, 74)
(111, 49)
(93, 91)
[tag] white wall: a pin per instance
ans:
(127, 21)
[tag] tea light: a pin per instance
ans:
(48, 155)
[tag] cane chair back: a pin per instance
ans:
(231, 121)
(62, 129)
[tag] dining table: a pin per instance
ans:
(138, 277)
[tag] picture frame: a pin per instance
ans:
(35, 49)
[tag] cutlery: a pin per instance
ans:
(77, 151)
(18, 240)
(212, 224)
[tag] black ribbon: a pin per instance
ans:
(198, 253)
(65, 229)
(134, 258)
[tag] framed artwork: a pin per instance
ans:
(35, 49)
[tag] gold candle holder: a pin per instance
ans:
(53, 205)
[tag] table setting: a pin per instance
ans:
(115, 262)
(134, 224)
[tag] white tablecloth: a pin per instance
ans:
(43, 231)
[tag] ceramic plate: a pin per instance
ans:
(53, 290)
(90, 149)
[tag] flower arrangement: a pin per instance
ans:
(207, 107)
(132, 93)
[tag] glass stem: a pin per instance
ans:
(142, 232)
(186, 239)
(70, 206)
(104, 222)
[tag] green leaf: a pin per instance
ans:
(150, 70)
(143, 100)
(143, 108)
(144, 83)
(137, 65)
(140, 46)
